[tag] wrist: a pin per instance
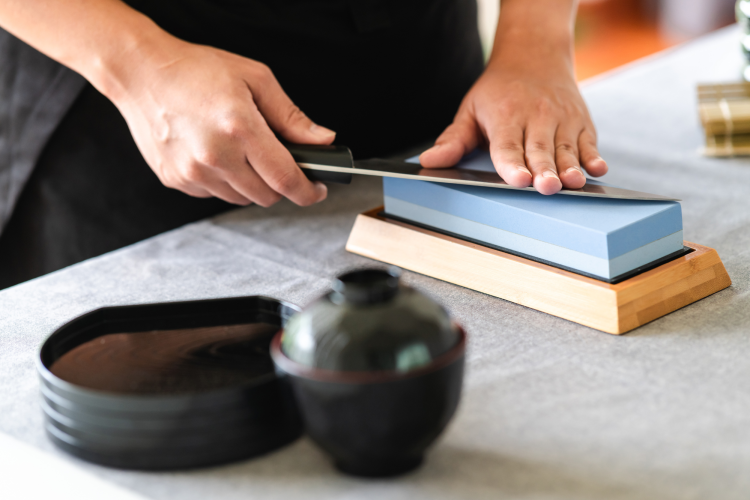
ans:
(533, 51)
(538, 33)
(134, 50)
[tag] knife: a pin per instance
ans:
(335, 164)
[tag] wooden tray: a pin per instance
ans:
(616, 308)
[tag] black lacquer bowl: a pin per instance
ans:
(168, 386)
(376, 423)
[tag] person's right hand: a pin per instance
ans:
(204, 119)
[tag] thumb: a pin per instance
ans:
(461, 137)
(283, 116)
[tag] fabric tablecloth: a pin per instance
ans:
(551, 409)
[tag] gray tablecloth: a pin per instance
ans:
(551, 409)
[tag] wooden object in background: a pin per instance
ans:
(724, 110)
(727, 145)
(616, 308)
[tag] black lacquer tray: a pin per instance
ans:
(158, 428)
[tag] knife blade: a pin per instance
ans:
(334, 164)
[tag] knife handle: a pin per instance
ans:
(330, 177)
(337, 156)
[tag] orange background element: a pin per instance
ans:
(610, 33)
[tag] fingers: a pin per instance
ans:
(201, 185)
(186, 187)
(540, 157)
(592, 162)
(200, 180)
(553, 153)
(275, 166)
(249, 184)
(462, 136)
(507, 152)
(567, 158)
(225, 192)
(280, 112)
(233, 179)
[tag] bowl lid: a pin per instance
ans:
(370, 322)
(289, 366)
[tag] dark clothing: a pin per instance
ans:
(35, 94)
(384, 74)
(91, 192)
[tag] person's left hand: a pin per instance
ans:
(530, 114)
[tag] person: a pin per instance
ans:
(129, 118)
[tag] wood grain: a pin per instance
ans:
(171, 361)
(611, 308)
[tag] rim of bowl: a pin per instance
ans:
(97, 399)
(292, 367)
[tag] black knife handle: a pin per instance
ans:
(330, 177)
(337, 156)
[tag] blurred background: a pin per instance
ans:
(610, 33)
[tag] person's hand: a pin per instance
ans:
(204, 119)
(533, 119)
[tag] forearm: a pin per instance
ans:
(106, 41)
(535, 33)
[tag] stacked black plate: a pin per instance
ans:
(168, 386)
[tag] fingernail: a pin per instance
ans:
(322, 132)
(549, 173)
(574, 169)
(322, 190)
(523, 169)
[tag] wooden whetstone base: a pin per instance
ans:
(616, 308)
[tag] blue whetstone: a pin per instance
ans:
(581, 262)
(615, 234)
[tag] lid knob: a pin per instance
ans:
(366, 286)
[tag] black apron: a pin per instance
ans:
(384, 74)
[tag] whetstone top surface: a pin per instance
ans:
(601, 227)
